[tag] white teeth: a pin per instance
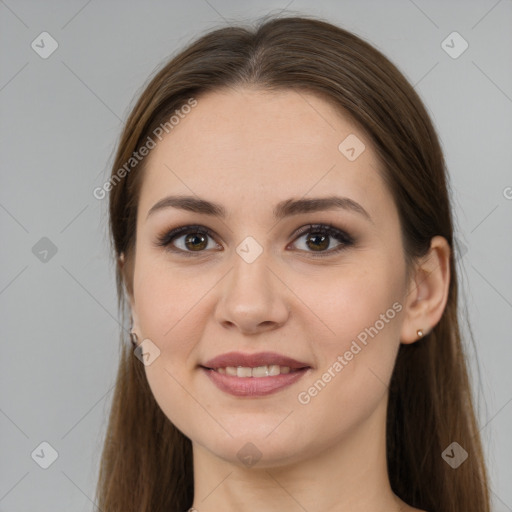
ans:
(259, 371)
(263, 371)
(275, 369)
(243, 372)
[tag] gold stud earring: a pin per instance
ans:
(419, 332)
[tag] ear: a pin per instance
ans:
(129, 291)
(428, 291)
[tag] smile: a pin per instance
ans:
(259, 371)
(253, 382)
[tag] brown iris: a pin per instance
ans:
(194, 236)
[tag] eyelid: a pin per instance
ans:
(165, 240)
(323, 227)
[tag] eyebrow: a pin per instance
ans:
(283, 209)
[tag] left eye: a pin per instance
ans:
(196, 239)
(319, 237)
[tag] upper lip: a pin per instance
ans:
(253, 360)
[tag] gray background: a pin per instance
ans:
(60, 120)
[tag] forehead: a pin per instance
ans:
(261, 147)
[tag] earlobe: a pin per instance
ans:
(134, 327)
(428, 292)
(135, 335)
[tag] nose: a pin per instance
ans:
(253, 297)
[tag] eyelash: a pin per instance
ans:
(324, 229)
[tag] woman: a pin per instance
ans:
(282, 229)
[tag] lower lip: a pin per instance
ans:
(253, 386)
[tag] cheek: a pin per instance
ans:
(356, 354)
(167, 310)
(352, 301)
(164, 298)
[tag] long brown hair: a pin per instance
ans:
(146, 463)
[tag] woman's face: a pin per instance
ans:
(263, 281)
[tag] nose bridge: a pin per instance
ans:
(251, 273)
(252, 295)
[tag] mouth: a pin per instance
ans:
(262, 362)
(258, 371)
(252, 375)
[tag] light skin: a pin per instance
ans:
(248, 150)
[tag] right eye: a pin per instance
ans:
(194, 237)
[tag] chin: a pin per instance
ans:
(259, 450)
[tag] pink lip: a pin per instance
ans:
(253, 360)
(253, 386)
